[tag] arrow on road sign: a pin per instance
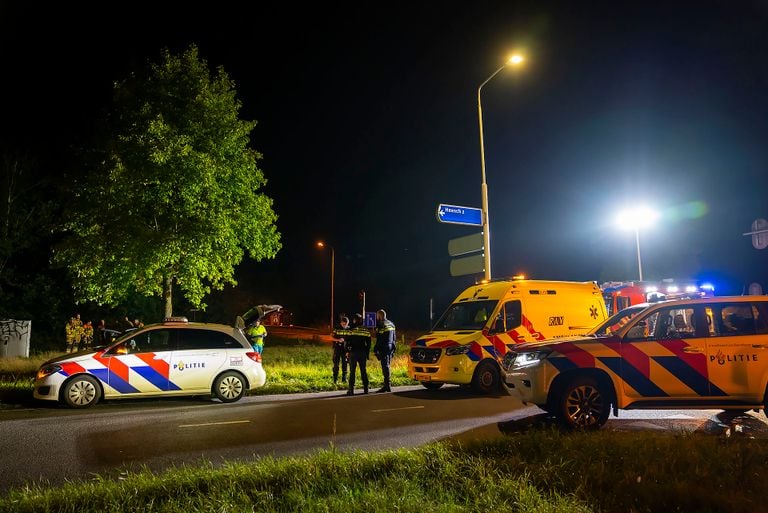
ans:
(456, 214)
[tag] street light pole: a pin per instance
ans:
(514, 60)
(636, 218)
(639, 262)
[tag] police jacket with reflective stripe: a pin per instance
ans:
(385, 336)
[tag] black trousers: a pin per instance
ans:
(339, 355)
(386, 360)
(358, 358)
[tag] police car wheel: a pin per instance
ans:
(486, 379)
(229, 387)
(431, 386)
(81, 392)
(583, 404)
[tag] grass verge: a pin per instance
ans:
(535, 471)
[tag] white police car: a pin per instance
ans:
(172, 358)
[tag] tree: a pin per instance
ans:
(173, 197)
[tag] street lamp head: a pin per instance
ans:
(515, 59)
(320, 244)
(636, 218)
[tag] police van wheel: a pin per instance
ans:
(431, 386)
(229, 387)
(81, 392)
(486, 379)
(583, 404)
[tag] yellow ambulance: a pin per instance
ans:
(466, 346)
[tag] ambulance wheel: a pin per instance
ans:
(431, 386)
(486, 379)
(229, 387)
(583, 404)
(81, 391)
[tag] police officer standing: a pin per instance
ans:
(359, 345)
(340, 350)
(385, 347)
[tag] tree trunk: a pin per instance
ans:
(168, 295)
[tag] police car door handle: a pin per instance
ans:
(692, 349)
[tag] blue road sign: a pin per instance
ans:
(456, 214)
(370, 320)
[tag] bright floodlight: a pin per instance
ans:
(635, 218)
(320, 244)
(516, 59)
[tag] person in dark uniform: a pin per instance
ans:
(359, 345)
(340, 350)
(385, 347)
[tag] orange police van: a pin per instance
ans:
(466, 346)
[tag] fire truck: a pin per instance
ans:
(619, 295)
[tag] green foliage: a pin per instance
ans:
(174, 198)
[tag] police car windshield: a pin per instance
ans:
(615, 322)
(471, 315)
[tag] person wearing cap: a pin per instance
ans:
(385, 347)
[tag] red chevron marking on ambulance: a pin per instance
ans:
(498, 345)
(537, 335)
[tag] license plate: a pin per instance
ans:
(423, 377)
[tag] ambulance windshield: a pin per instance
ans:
(471, 315)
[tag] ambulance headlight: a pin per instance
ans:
(457, 350)
(530, 358)
(47, 370)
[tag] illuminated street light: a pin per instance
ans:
(321, 244)
(514, 60)
(634, 219)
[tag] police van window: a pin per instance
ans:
(509, 317)
(760, 313)
(734, 319)
(205, 339)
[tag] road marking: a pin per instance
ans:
(397, 409)
(215, 423)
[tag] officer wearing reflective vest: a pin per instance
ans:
(340, 349)
(385, 347)
(358, 341)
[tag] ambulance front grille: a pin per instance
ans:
(424, 355)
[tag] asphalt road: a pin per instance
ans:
(56, 444)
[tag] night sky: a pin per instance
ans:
(367, 119)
